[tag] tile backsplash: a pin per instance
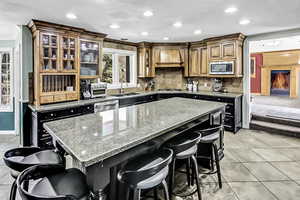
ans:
(173, 78)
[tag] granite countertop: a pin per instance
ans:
(94, 137)
(108, 98)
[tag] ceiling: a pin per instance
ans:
(279, 44)
(207, 15)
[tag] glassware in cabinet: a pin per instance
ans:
(69, 61)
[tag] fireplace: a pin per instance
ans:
(280, 83)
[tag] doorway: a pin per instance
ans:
(274, 78)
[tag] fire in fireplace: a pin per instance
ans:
(280, 82)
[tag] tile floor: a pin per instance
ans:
(257, 166)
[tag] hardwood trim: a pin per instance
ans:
(35, 24)
(121, 42)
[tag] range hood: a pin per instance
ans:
(170, 58)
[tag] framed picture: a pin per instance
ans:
(253, 67)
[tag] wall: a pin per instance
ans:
(256, 82)
(7, 121)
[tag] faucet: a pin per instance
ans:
(121, 88)
(122, 73)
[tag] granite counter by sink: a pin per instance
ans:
(71, 104)
(94, 137)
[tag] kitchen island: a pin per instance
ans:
(100, 143)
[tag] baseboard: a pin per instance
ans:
(8, 132)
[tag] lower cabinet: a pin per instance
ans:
(41, 138)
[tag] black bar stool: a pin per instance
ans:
(55, 183)
(214, 136)
(145, 172)
(185, 148)
(19, 159)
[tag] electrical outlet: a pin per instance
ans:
(205, 84)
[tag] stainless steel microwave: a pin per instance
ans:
(226, 67)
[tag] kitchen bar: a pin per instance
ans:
(99, 142)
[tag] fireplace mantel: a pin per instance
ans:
(266, 78)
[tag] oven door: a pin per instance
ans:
(221, 68)
(98, 92)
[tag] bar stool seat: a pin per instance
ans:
(19, 159)
(53, 182)
(145, 172)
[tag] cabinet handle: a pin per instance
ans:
(72, 111)
(51, 114)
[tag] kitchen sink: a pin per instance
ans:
(125, 94)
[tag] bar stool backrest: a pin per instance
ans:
(183, 142)
(36, 172)
(212, 130)
(11, 157)
(134, 177)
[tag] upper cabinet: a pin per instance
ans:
(90, 58)
(226, 49)
(63, 55)
(145, 67)
(198, 60)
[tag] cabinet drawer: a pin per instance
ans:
(72, 96)
(60, 97)
(229, 120)
(229, 109)
(46, 99)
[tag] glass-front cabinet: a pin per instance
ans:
(69, 53)
(63, 55)
(89, 59)
(49, 52)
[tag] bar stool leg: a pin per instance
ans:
(164, 183)
(218, 165)
(13, 191)
(127, 193)
(188, 174)
(171, 178)
(155, 193)
(137, 194)
(197, 177)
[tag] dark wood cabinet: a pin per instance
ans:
(40, 137)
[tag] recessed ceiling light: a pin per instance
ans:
(244, 22)
(144, 33)
(148, 13)
(71, 16)
(114, 26)
(230, 10)
(177, 24)
(197, 32)
(166, 38)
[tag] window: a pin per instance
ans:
(6, 80)
(119, 67)
(253, 67)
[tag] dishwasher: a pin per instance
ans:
(107, 105)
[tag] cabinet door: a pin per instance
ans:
(203, 61)
(194, 69)
(69, 49)
(49, 52)
(228, 50)
(215, 52)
